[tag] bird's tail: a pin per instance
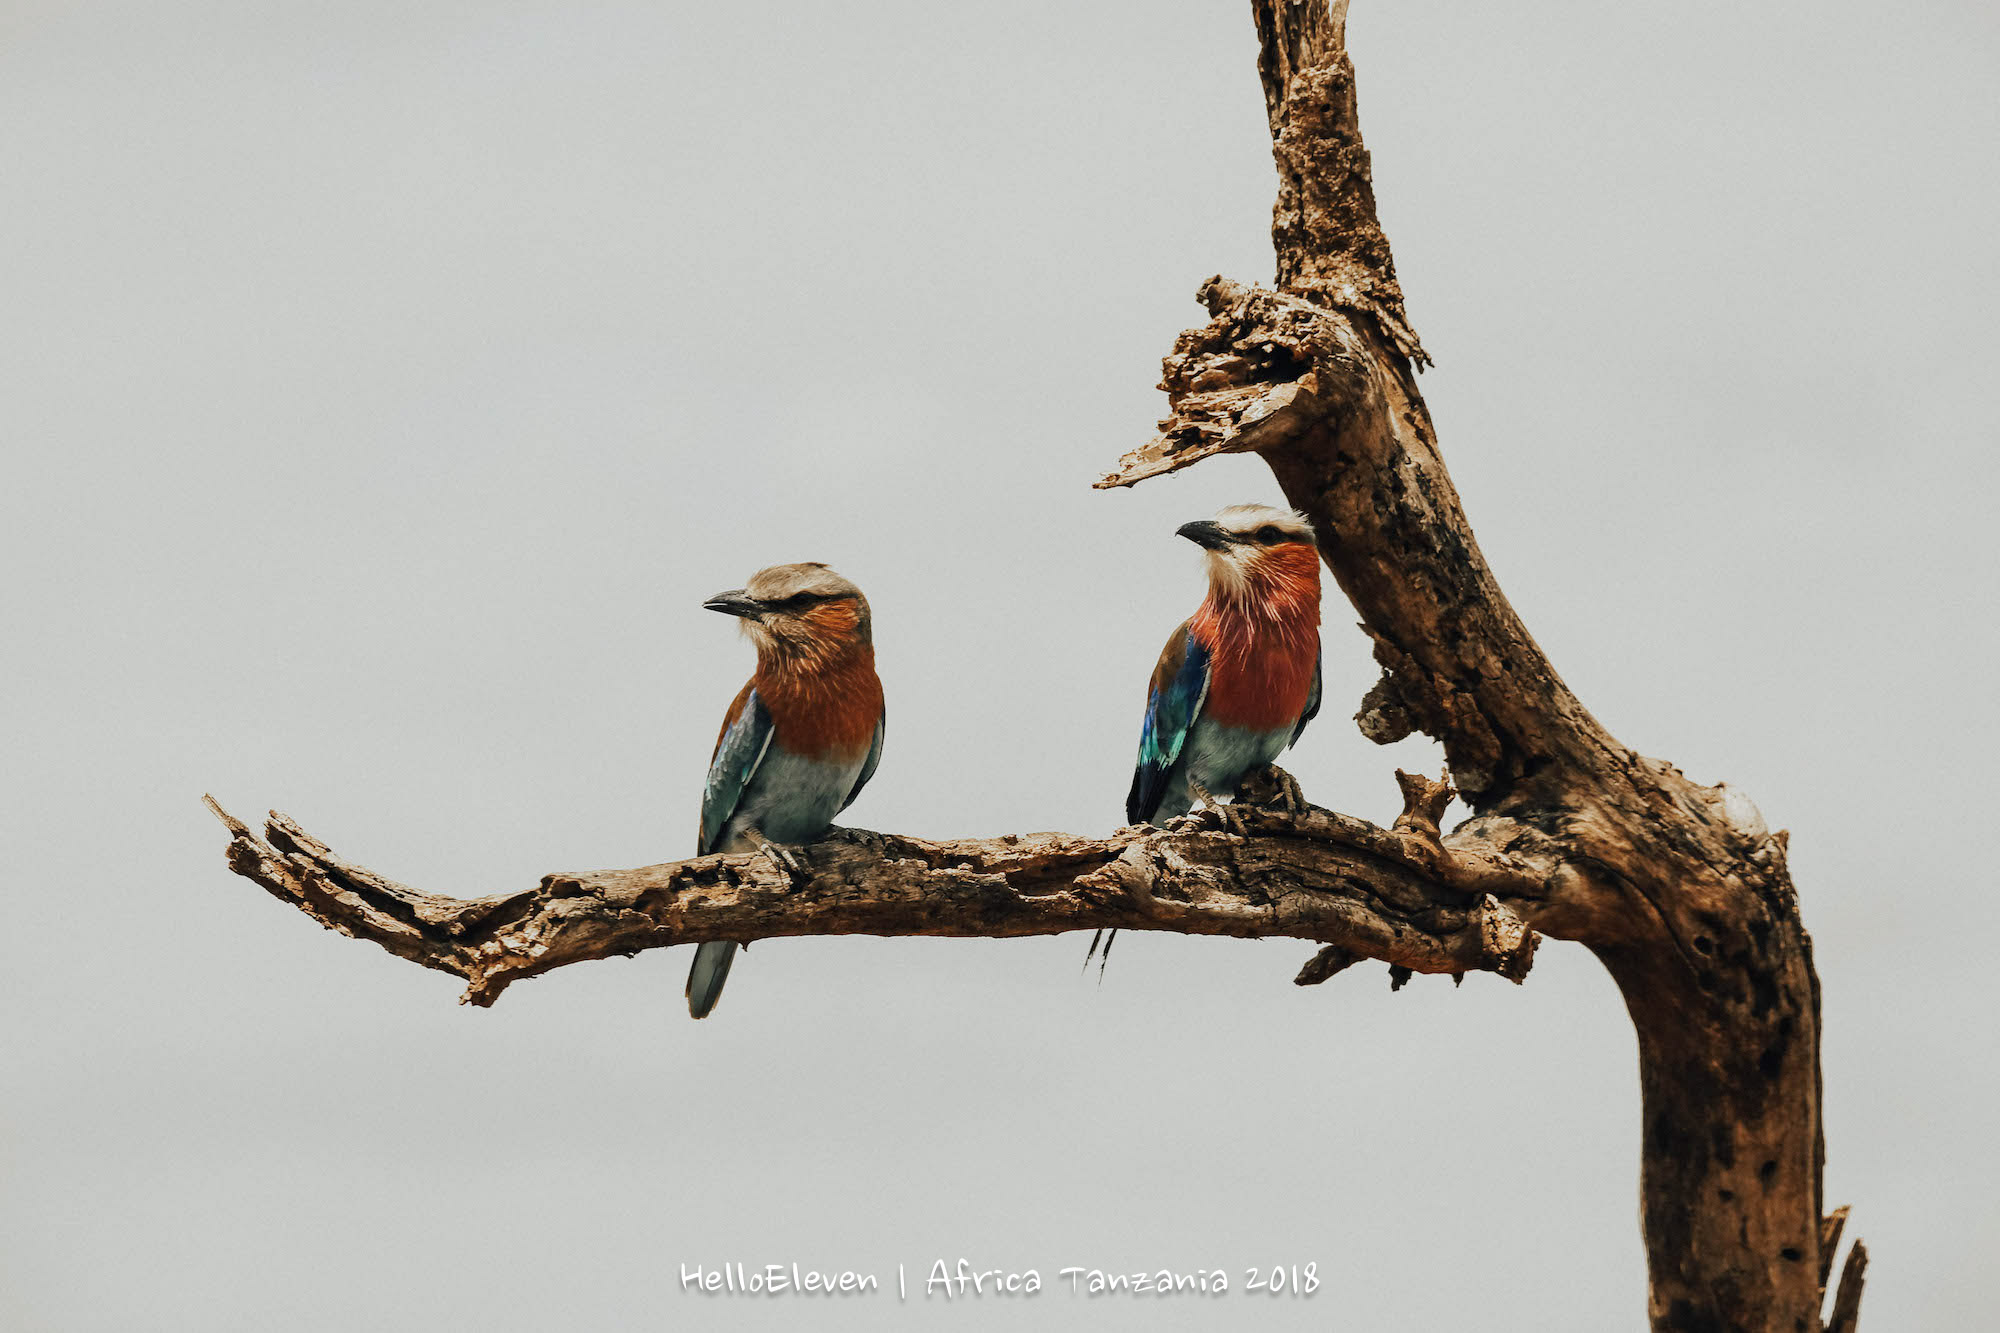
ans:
(705, 978)
(1108, 938)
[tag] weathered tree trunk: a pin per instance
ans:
(1679, 888)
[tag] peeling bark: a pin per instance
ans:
(1398, 894)
(1678, 888)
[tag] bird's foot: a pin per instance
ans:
(787, 860)
(1272, 788)
(1232, 818)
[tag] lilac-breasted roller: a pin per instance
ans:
(803, 736)
(1239, 679)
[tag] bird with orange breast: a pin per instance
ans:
(803, 736)
(1239, 679)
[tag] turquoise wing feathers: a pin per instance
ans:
(1174, 700)
(746, 735)
(869, 764)
(1312, 705)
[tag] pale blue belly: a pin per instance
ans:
(790, 799)
(1217, 757)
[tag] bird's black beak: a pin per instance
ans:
(735, 602)
(1205, 533)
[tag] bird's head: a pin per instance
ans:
(798, 612)
(1256, 553)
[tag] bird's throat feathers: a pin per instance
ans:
(1260, 624)
(824, 698)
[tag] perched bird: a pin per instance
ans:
(803, 736)
(1239, 679)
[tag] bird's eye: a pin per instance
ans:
(1268, 535)
(798, 601)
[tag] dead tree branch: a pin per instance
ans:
(1392, 894)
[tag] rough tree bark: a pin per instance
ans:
(1678, 888)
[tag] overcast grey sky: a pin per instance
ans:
(388, 383)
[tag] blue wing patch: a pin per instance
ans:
(1312, 705)
(746, 735)
(868, 765)
(1180, 685)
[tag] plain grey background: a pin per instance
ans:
(388, 383)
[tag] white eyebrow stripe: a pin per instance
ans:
(1249, 517)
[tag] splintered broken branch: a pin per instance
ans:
(1317, 875)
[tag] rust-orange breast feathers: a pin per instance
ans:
(829, 712)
